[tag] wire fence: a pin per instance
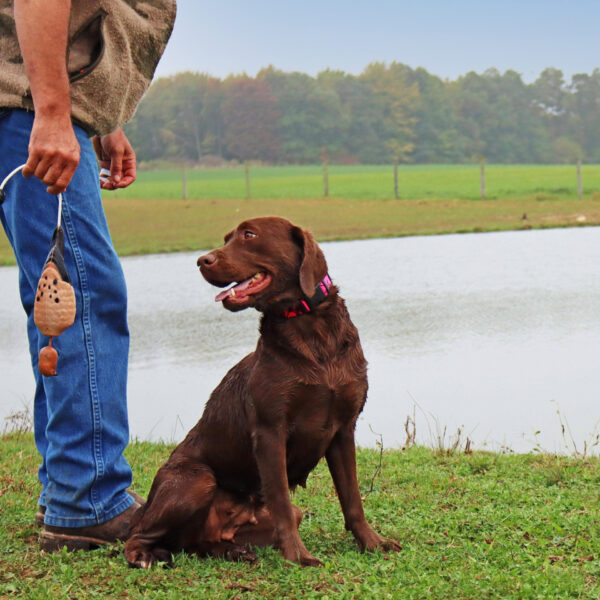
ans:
(473, 182)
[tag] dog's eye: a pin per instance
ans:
(249, 234)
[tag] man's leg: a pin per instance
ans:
(83, 430)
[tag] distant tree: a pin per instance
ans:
(311, 122)
(386, 112)
(361, 117)
(397, 99)
(179, 117)
(549, 91)
(499, 119)
(551, 95)
(585, 114)
(437, 137)
(566, 151)
(148, 131)
(250, 115)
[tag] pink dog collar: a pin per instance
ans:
(309, 304)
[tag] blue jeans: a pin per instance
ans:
(80, 416)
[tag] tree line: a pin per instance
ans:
(390, 112)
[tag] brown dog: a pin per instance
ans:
(295, 399)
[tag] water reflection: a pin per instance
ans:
(481, 331)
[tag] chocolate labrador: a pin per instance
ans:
(292, 401)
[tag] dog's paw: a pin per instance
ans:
(304, 559)
(390, 545)
(144, 559)
(310, 561)
(240, 554)
(368, 539)
(379, 542)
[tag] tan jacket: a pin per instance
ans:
(114, 47)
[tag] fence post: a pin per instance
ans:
(579, 183)
(482, 176)
(247, 171)
(396, 178)
(184, 183)
(325, 178)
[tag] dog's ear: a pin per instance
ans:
(213, 526)
(312, 264)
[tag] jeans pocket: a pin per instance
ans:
(4, 112)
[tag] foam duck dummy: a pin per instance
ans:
(54, 308)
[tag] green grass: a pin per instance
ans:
(151, 217)
(366, 182)
(472, 526)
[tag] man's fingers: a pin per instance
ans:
(52, 175)
(33, 160)
(55, 169)
(60, 183)
(55, 174)
(43, 166)
(127, 180)
(116, 167)
(29, 168)
(129, 172)
(56, 189)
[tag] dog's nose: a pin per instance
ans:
(207, 260)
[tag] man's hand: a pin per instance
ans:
(115, 153)
(53, 152)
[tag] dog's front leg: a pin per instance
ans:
(341, 459)
(270, 453)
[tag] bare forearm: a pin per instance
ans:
(42, 29)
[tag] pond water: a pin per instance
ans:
(490, 333)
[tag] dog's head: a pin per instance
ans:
(227, 514)
(270, 261)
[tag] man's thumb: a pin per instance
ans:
(116, 168)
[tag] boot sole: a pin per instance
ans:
(52, 542)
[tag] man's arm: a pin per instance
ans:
(42, 29)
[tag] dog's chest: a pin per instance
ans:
(315, 415)
(316, 411)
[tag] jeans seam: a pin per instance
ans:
(87, 328)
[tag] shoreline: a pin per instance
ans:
(151, 246)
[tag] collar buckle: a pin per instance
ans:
(309, 304)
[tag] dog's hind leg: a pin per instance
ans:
(180, 497)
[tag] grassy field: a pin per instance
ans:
(151, 216)
(472, 526)
(367, 182)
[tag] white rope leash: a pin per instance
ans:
(15, 171)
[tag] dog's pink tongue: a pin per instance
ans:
(222, 295)
(240, 287)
